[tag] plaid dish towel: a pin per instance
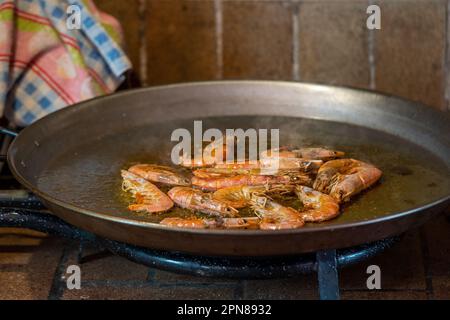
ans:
(46, 65)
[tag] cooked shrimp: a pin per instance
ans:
(157, 173)
(206, 160)
(201, 223)
(305, 153)
(282, 152)
(208, 173)
(224, 181)
(213, 153)
(240, 223)
(191, 223)
(240, 196)
(221, 172)
(344, 178)
(319, 206)
(148, 197)
(197, 200)
(274, 216)
(265, 167)
(281, 163)
(319, 153)
(247, 164)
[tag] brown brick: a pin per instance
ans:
(334, 43)
(113, 268)
(16, 236)
(401, 267)
(304, 287)
(127, 13)
(257, 40)
(103, 266)
(18, 245)
(180, 41)
(27, 271)
(147, 292)
(383, 295)
(441, 287)
(15, 257)
(164, 277)
(437, 233)
(410, 49)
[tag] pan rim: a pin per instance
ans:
(218, 232)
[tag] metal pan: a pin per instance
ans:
(71, 159)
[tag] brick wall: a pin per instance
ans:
(323, 41)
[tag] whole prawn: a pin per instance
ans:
(223, 181)
(318, 206)
(304, 153)
(203, 223)
(343, 178)
(274, 216)
(208, 173)
(267, 166)
(215, 152)
(241, 196)
(197, 200)
(148, 197)
(157, 173)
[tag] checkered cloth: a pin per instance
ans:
(45, 66)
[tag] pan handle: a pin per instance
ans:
(8, 132)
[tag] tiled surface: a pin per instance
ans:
(145, 292)
(322, 41)
(437, 236)
(28, 262)
(334, 43)
(181, 43)
(402, 267)
(257, 40)
(410, 50)
(32, 266)
(102, 266)
(304, 288)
